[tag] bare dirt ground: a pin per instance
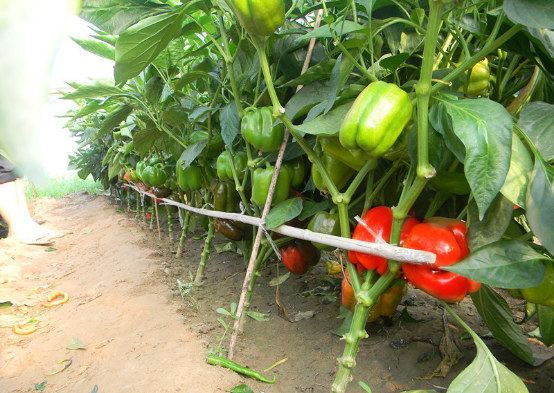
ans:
(141, 336)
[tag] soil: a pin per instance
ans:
(144, 333)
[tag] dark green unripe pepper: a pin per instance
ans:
(326, 223)
(140, 168)
(190, 178)
(339, 172)
(259, 17)
(262, 181)
(258, 129)
(297, 170)
(225, 165)
(225, 197)
(375, 120)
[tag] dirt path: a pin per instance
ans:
(142, 337)
(135, 341)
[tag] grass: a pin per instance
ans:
(58, 187)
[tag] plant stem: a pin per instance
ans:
(183, 238)
(423, 88)
(252, 284)
(205, 252)
(169, 223)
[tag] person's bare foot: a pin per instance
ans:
(33, 234)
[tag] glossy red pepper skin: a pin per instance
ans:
(299, 256)
(446, 239)
(379, 219)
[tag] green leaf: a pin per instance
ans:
(114, 16)
(499, 319)
(145, 139)
(98, 48)
(328, 124)
(279, 280)
(306, 98)
(485, 374)
(393, 62)
(340, 28)
(420, 391)
(97, 89)
(50, 249)
(508, 264)
(364, 386)
(537, 120)
(41, 386)
(283, 212)
(531, 13)
(230, 124)
(5, 304)
(345, 326)
(141, 43)
(258, 316)
(313, 74)
(311, 208)
(191, 152)
(546, 324)
(190, 77)
(75, 343)
(521, 166)
(242, 389)
(540, 207)
(113, 119)
(484, 127)
(493, 225)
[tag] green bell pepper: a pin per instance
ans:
(190, 178)
(154, 175)
(544, 292)
(259, 130)
(225, 197)
(339, 172)
(262, 181)
(297, 170)
(479, 78)
(259, 17)
(326, 223)
(375, 120)
(140, 168)
(225, 165)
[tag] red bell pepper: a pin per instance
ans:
(379, 220)
(446, 239)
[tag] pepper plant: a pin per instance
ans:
(431, 119)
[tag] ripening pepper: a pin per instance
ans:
(299, 256)
(446, 238)
(234, 230)
(259, 17)
(479, 78)
(225, 165)
(326, 223)
(379, 220)
(259, 129)
(297, 170)
(543, 293)
(385, 306)
(190, 178)
(261, 182)
(375, 120)
(339, 172)
(332, 147)
(225, 197)
(214, 147)
(131, 176)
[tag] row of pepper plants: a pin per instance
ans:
(432, 120)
